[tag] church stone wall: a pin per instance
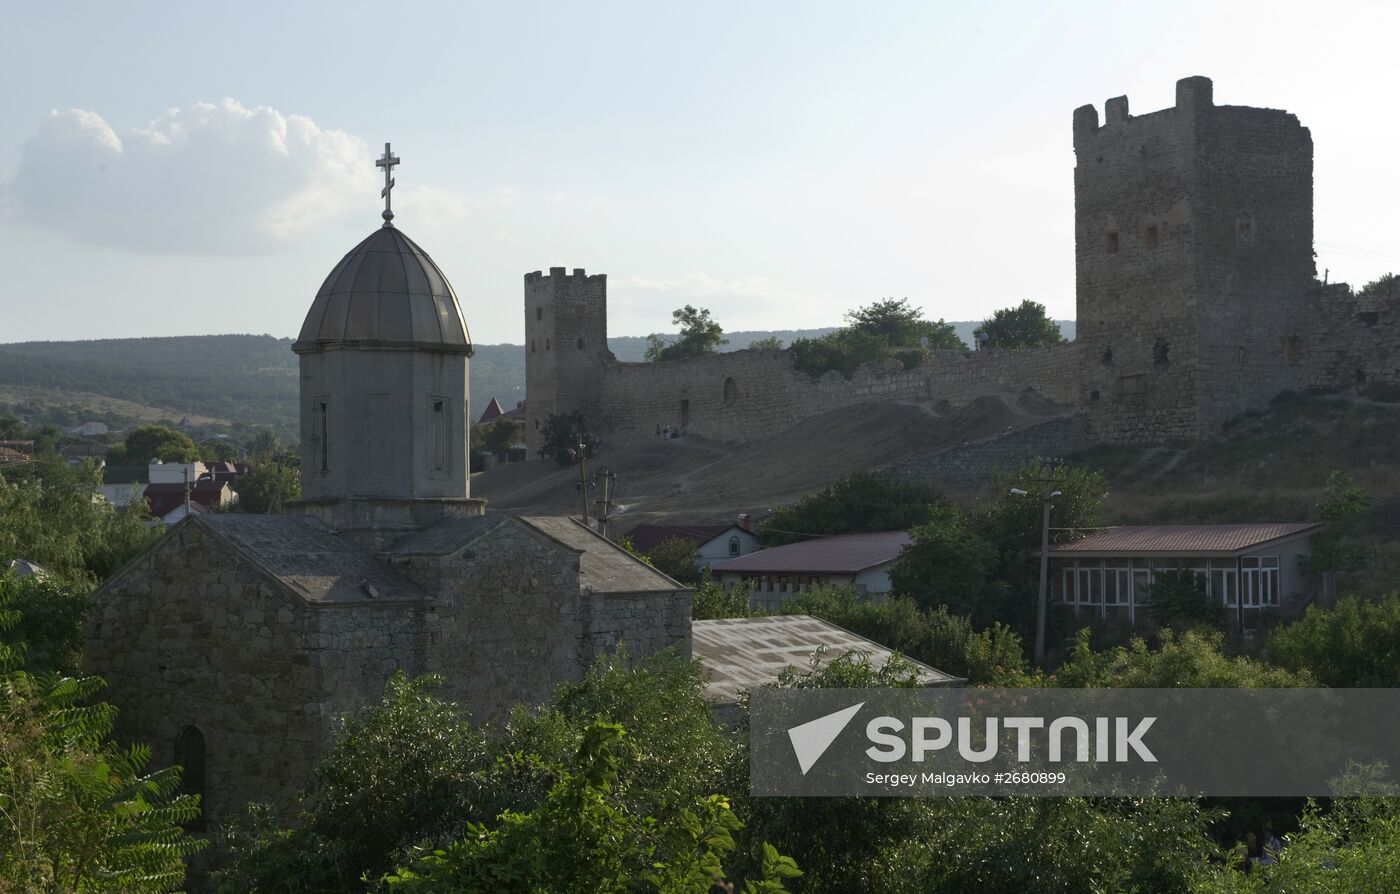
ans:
(195, 636)
(642, 623)
(507, 627)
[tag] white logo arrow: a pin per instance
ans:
(810, 740)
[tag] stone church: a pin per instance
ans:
(235, 642)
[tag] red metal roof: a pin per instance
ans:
(838, 554)
(645, 538)
(1144, 539)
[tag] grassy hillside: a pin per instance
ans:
(248, 379)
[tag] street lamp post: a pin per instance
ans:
(1040, 610)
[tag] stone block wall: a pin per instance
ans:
(507, 627)
(1350, 340)
(195, 636)
(644, 623)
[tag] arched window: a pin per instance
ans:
(734, 545)
(189, 754)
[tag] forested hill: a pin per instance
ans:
(249, 379)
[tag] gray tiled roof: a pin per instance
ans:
(742, 653)
(1146, 539)
(841, 554)
(604, 567)
(308, 558)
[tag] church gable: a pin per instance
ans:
(188, 636)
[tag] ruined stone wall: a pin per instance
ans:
(742, 396)
(192, 635)
(1351, 340)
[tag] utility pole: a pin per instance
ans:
(580, 452)
(605, 477)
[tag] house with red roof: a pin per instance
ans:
(713, 543)
(1249, 570)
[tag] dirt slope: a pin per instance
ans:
(703, 481)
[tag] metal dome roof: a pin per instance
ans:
(386, 292)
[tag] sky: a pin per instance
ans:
(185, 169)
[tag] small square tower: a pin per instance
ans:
(566, 347)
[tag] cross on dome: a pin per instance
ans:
(387, 162)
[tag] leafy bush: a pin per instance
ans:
(934, 636)
(1354, 644)
(678, 558)
(712, 601)
(1178, 599)
(863, 502)
(1195, 659)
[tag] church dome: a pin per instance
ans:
(386, 292)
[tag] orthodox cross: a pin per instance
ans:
(387, 163)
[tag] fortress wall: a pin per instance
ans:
(742, 396)
(1350, 340)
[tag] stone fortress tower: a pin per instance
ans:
(1197, 301)
(1194, 262)
(566, 347)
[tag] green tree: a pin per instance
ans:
(273, 480)
(1024, 326)
(11, 429)
(1354, 644)
(1336, 548)
(699, 335)
(1178, 599)
(677, 557)
(79, 813)
(410, 774)
(1196, 660)
(770, 343)
(1385, 286)
(499, 436)
(580, 841)
(154, 442)
(903, 326)
(948, 564)
(712, 601)
(863, 502)
(562, 434)
(55, 517)
(934, 636)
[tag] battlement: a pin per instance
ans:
(562, 273)
(1195, 96)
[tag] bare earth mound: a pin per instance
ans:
(703, 481)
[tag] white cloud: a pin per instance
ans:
(211, 179)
